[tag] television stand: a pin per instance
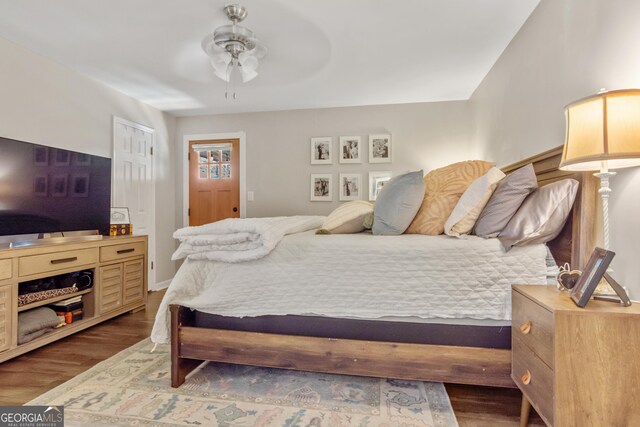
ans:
(119, 267)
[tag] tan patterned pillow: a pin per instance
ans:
(473, 200)
(443, 189)
(347, 218)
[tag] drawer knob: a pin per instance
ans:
(526, 378)
(525, 328)
(125, 251)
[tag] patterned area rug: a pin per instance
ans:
(132, 389)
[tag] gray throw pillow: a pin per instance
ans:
(541, 216)
(398, 203)
(505, 201)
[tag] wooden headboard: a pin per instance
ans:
(577, 239)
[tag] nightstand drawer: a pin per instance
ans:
(533, 377)
(533, 324)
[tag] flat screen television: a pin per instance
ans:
(50, 190)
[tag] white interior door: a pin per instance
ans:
(134, 181)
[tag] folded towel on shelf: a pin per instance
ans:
(34, 323)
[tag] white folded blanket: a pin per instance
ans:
(238, 240)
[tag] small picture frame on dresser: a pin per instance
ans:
(591, 276)
(120, 216)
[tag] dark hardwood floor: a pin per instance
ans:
(30, 375)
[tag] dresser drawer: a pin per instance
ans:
(36, 264)
(125, 250)
(533, 324)
(6, 271)
(533, 377)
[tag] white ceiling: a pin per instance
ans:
(322, 53)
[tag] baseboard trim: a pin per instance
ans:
(160, 286)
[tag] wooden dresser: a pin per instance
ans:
(577, 366)
(119, 266)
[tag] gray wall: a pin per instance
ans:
(45, 103)
(424, 135)
(567, 49)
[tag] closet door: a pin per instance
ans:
(134, 181)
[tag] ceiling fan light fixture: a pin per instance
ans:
(233, 47)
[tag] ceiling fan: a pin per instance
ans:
(234, 51)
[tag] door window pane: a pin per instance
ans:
(226, 170)
(204, 173)
(215, 171)
(215, 156)
(203, 157)
(226, 156)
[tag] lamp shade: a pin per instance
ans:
(603, 132)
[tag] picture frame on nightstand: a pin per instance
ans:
(591, 276)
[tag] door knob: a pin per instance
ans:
(235, 209)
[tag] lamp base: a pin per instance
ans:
(603, 287)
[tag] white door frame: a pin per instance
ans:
(151, 251)
(242, 136)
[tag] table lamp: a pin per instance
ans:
(603, 133)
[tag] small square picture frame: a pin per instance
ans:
(61, 157)
(40, 155)
(321, 187)
(377, 180)
(119, 215)
(350, 186)
(380, 148)
(80, 185)
(322, 150)
(591, 276)
(81, 159)
(350, 149)
(59, 185)
(40, 186)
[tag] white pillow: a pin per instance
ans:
(473, 200)
(347, 218)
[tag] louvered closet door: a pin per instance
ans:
(5, 317)
(133, 282)
(110, 287)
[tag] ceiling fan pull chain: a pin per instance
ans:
(234, 76)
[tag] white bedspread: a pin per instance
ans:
(361, 276)
(238, 240)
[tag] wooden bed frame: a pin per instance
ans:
(191, 345)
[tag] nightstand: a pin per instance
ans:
(576, 366)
